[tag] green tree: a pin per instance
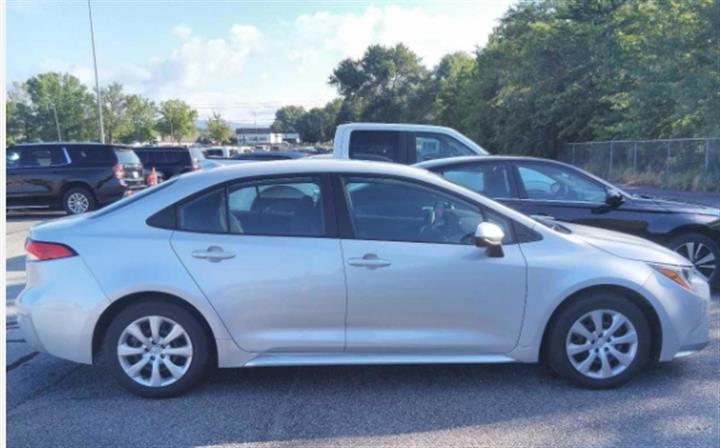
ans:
(218, 129)
(115, 117)
(311, 126)
(177, 119)
(383, 85)
(287, 118)
(142, 117)
(62, 95)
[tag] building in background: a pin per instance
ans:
(264, 136)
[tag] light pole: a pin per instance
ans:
(57, 122)
(97, 83)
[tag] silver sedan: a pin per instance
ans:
(341, 262)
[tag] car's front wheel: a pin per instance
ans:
(157, 349)
(598, 341)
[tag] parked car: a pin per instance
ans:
(77, 177)
(330, 262)
(170, 160)
(567, 193)
(270, 155)
(400, 143)
(225, 152)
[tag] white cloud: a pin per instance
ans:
(182, 31)
(428, 32)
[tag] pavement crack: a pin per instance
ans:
(20, 361)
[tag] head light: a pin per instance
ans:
(683, 276)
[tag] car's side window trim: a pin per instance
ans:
(329, 221)
(345, 221)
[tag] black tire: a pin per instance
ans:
(201, 357)
(698, 238)
(75, 192)
(555, 342)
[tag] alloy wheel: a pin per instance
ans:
(700, 255)
(78, 203)
(155, 351)
(601, 344)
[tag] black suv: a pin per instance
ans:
(170, 161)
(75, 176)
(566, 193)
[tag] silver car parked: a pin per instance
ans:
(343, 262)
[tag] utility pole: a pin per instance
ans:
(97, 83)
(57, 122)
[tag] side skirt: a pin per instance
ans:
(318, 359)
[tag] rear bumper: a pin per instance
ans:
(59, 307)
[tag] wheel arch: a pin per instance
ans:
(120, 304)
(692, 228)
(638, 299)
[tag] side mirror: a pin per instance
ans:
(491, 236)
(614, 198)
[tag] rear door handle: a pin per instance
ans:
(213, 253)
(371, 261)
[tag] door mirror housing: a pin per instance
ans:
(614, 198)
(491, 236)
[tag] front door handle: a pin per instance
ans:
(213, 253)
(370, 261)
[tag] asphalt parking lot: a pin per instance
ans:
(51, 402)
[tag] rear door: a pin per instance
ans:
(265, 255)
(40, 175)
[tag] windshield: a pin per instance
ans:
(132, 199)
(551, 223)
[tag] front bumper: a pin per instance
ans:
(684, 316)
(59, 307)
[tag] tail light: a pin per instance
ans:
(195, 166)
(47, 251)
(119, 171)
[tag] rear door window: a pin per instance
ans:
(43, 156)
(278, 208)
(206, 213)
(489, 179)
(380, 146)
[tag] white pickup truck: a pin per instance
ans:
(401, 143)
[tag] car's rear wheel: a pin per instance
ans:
(702, 251)
(156, 349)
(78, 200)
(598, 341)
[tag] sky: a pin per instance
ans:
(243, 59)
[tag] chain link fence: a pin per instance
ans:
(689, 164)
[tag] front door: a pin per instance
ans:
(416, 283)
(260, 254)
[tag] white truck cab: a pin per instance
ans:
(401, 143)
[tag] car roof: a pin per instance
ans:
(394, 126)
(447, 161)
(108, 145)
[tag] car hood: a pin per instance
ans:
(681, 207)
(626, 246)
